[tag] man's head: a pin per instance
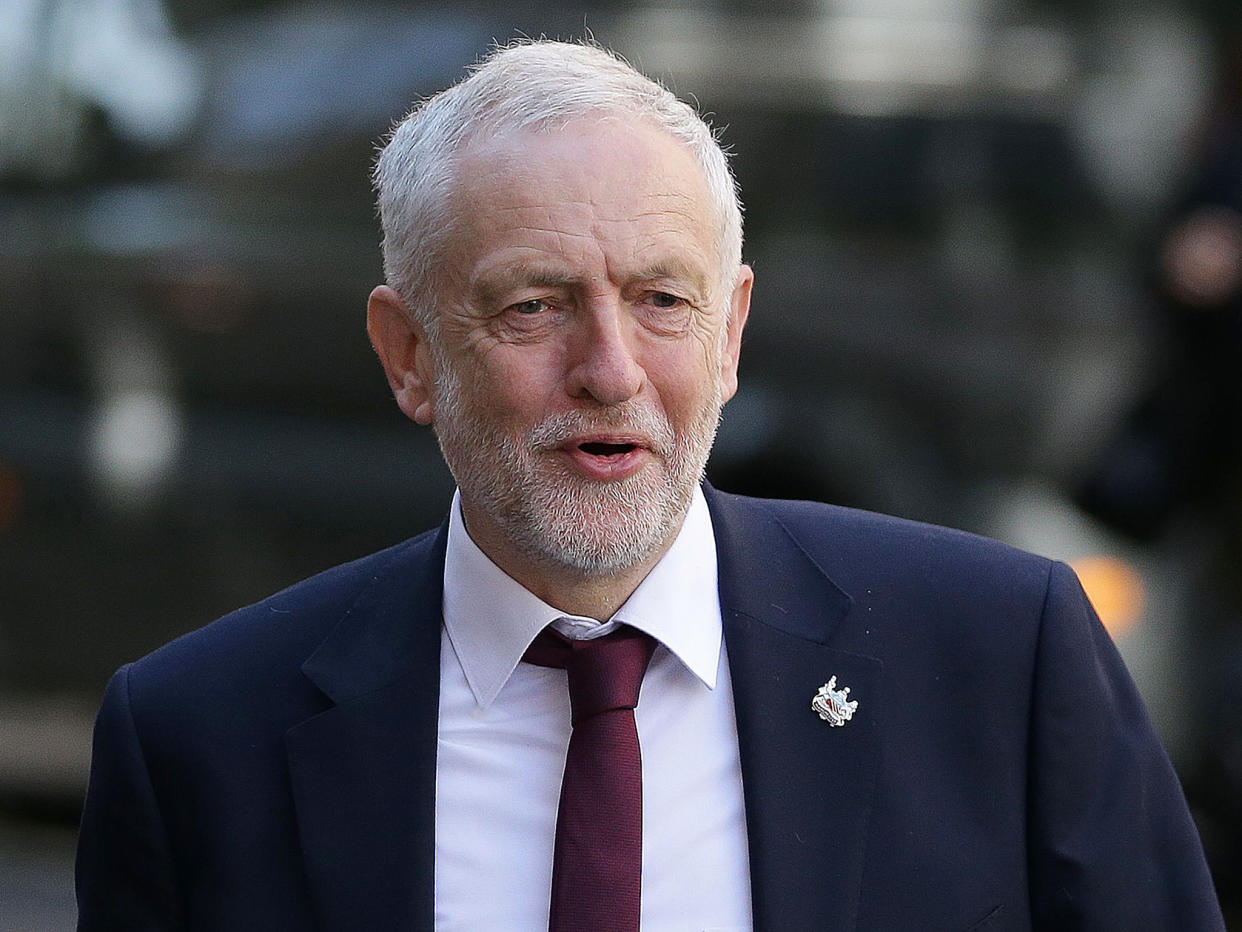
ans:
(559, 306)
(523, 86)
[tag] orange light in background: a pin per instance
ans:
(10, 496)
(1115, 591)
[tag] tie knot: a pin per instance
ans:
(604, 673)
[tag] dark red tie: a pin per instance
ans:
(597, 867)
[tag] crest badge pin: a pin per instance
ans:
(834, 705)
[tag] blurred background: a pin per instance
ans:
(998, 247)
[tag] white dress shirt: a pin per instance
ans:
(504, 730)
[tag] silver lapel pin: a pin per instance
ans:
(833, 705)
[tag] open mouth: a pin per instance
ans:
(606, 449)
(608, 458)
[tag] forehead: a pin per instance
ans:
(622, 184)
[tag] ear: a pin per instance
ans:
(739, 310)
(403, 351)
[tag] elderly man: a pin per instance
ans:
(846, 721)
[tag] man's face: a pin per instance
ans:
(585, 343)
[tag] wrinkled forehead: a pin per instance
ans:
(626, 169)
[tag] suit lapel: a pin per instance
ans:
(807, 785)
(363, 772)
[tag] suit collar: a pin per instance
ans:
(391, 627)
(807, 786)
(765, 573)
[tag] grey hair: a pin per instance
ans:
(526, 85)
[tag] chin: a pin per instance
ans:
(598, 528)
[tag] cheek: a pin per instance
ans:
(512, 385)
(685, 381)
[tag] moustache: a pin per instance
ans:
(651, 428)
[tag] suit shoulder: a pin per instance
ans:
(282, 629)
(854, 546)
(809, 520)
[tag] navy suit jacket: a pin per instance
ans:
(276, 769)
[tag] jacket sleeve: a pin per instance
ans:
(125, 875)
(1112, 842)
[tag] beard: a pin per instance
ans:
(555, 515)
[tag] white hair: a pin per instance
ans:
(526, 85)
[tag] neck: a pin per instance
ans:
(589, 596)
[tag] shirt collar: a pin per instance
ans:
(491, 618)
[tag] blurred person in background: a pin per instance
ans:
(1177, 459)
(846, 720)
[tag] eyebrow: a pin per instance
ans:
(493, 285)
(672, 269)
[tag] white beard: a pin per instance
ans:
(555, 516)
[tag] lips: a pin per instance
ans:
(606, 457)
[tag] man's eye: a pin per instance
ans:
(533, 306)
(665, 300)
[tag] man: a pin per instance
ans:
(846, 721)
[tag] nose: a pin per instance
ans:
(602, 364)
